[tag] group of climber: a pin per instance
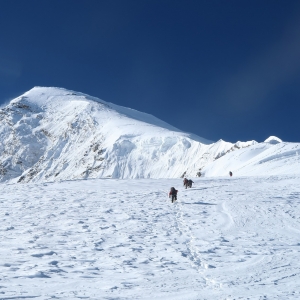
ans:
(173, 192)
(187, 183)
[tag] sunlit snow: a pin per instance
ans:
(86, 214)
(52, 134)
(225, 238)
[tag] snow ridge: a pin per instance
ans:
(52, 134)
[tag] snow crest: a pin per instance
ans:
(273, 140)
(53, 134)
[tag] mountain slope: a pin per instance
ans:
(56, 134)
(50, 134)
(266, 158)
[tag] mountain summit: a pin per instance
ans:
(50, 134)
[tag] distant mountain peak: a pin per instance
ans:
(273, 140)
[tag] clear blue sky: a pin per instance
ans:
(219, 69)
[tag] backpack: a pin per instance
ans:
(173, 191)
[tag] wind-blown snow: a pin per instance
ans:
(233, 238)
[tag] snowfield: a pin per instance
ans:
(225, 238)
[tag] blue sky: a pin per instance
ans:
(219, 69)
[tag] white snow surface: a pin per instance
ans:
(225, 238)
(86, 214)
(258, 159)
(273, 140)
(51, 134)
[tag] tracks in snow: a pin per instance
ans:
(193, 252)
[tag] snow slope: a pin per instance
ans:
(233, 238)
(259, 159)
(51, 134)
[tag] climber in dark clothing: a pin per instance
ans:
(190, 183)
(185, 182)
(173, 194)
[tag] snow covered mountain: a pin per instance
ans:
(269, 158)
(50, 134)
